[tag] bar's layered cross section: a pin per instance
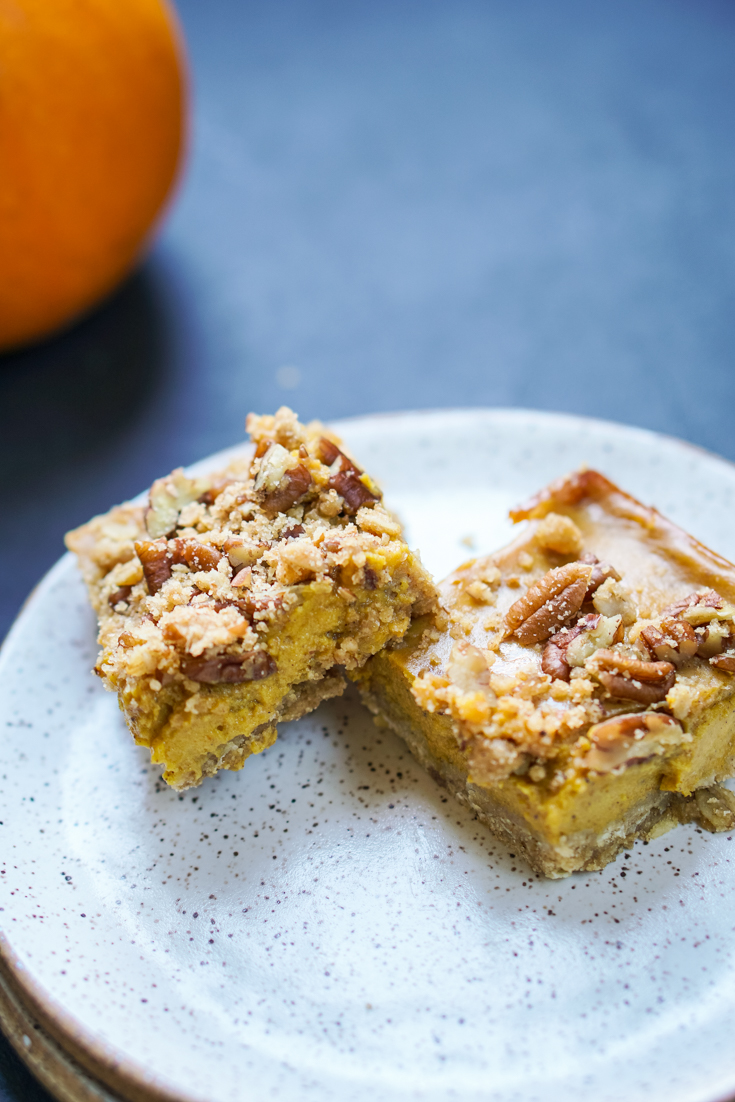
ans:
(583, 694)
(232, 602)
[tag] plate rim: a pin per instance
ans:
(108, 1066)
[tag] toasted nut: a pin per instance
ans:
(601, 571)
(195, 555)
(713, 639)
(631, 679)
(705, 614)
(674, 641)
(709, 598)
(229, 669)
(354, 487)
(548, 604)
(156, 560)
(167, 498)
(624, 740)
(119, 595)
(554, 659)
(241, 552)
(613, 598)
(724, 662)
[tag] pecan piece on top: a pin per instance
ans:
(548, 604)
(295, 483)
(346, 478)
(554, 659)
(229, 669)
(674, 641)
(630, 678)
(119, 595)
(195, 555)
(724, 662)
(156, 560)
(281, 481)
(601, 571)
(708, 598)
(624, 740)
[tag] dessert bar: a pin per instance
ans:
(583, 693)
(229, 603)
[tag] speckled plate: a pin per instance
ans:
(326, 925)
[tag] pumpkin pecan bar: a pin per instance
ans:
(583, 694)
(232, 602)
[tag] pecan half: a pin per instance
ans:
(724, 662)
(229, 669)
(156, 560)
(674, 641)
(625, 740)
(630, 678)
(346, 478)
(548, 603)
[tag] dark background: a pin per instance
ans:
(391, 205)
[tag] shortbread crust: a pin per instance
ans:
(233, 602)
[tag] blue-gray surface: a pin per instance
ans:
(394, 204)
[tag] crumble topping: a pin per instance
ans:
(191, 587)
(580, 672)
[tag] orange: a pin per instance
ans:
(92, 106)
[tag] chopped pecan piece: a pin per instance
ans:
(554, 659)
(292, 532)
(709, 598)
(156, 560)
(167, 498)
(724, 662)
(630, 678)
(242, 552)
(295, 483)
(625, 740)
(229, 668)
(712, 640)
(674, 641)
(119, 595)
(195, 555)
(346, 479)
(601, 571)
(548, 604)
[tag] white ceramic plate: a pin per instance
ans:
(325, 925)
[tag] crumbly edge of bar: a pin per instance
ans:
(191, 587)
(567, 715)
(712, 808)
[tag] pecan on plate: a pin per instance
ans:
(350, 483)
(673, 641)
(548, 603)
(627, 739)
(630, 678)
(229, 669)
